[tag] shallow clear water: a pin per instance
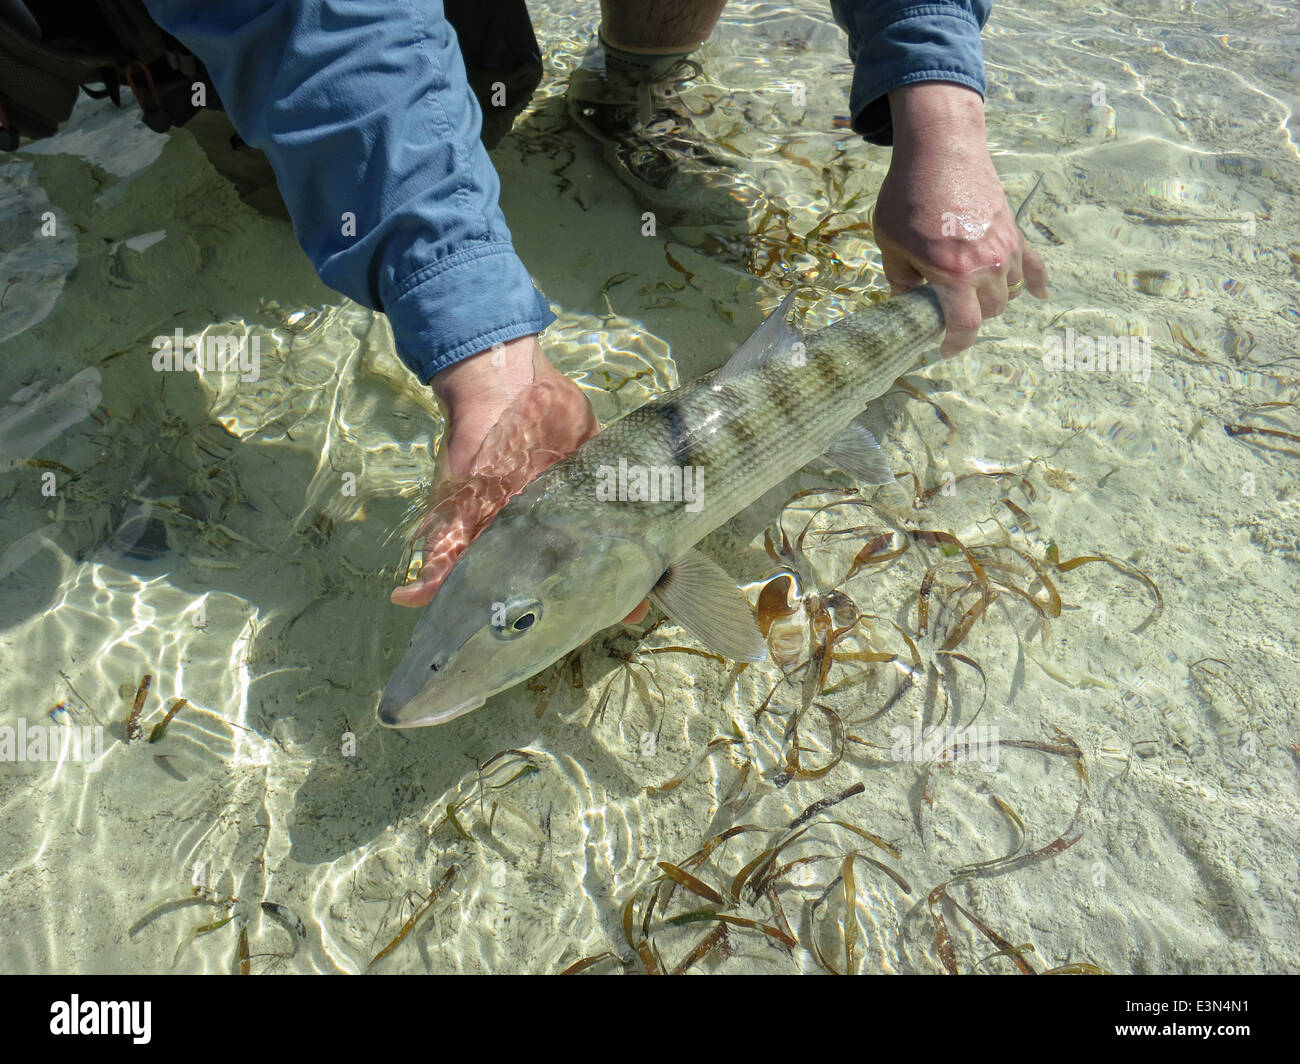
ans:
(201, 529)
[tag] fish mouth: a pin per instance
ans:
(414, 699)
(396, 712)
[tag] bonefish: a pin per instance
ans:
(617, 521)
(577, 549)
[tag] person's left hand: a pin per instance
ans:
(942, 217)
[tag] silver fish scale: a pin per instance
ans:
(745, 437)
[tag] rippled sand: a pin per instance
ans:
(201, 529)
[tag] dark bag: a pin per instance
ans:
(46, 60)
(499, 47)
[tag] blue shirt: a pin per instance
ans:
(902, 42)
(365, 112)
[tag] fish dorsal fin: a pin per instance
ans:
(698, 594)
(857, 453)
(772, 340)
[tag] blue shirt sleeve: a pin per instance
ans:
(893, 43)
(364, 109)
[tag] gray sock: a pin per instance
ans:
(636, 66)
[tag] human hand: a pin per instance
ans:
(510, 416)
(942, 217)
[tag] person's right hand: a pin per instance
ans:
(510, 416)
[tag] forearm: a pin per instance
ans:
(365, 112)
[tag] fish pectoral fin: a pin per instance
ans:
(698, 594)
(772, 340)
(858, 454)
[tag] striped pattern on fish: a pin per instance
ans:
(751, 432)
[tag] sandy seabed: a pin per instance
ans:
(193, 527)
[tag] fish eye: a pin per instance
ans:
(519, 618)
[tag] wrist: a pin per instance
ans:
(935, 112)
(500, 371)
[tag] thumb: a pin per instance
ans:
(899, 271)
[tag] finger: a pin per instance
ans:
(991, 291)
(962, 316)
(447, 531)
(638, 614)
(420, 591)
(1015, 278)
(438, 561)
(1035, 273)
(900, 273)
